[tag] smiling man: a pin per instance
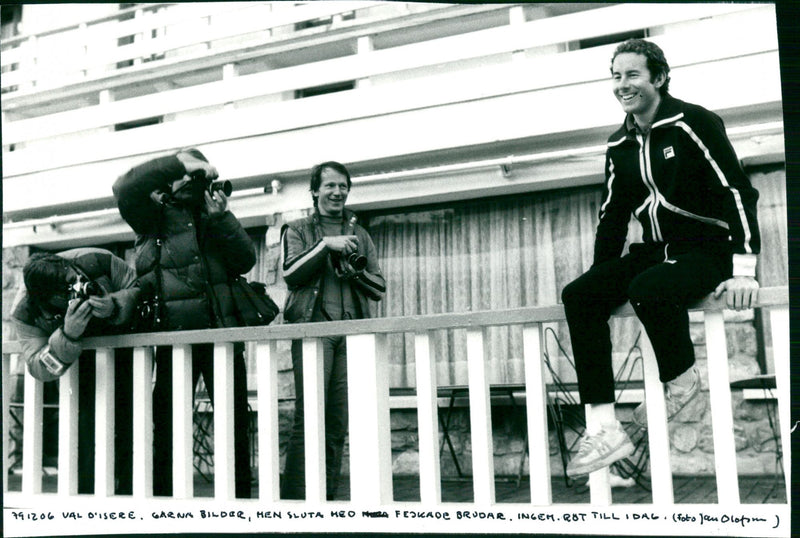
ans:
(331, 267)
(672, 167)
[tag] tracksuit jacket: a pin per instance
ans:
(684, 184)
(304, 257)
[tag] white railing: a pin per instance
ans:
(369, 434)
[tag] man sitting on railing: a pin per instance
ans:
(188, 246)
(331, 267)
(64, 297)
(672, 166)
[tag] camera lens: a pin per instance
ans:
(358, 261)
(223, 185)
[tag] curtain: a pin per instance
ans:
(485, 255)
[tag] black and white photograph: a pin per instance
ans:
(389, 267)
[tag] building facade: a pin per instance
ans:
(475, 134)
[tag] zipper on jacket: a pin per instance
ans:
(647, 179)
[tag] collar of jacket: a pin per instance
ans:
(669, 111)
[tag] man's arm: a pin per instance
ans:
(302, 263)
(132, 190)
(615, 214)
(123, 280)
(47, 358)
(227, 237)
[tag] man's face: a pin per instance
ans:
(188, 190)
(633, 87)
(332, 193)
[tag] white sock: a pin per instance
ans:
(599, 416)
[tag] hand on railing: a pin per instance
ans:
(741, 292)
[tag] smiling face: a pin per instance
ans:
(332, 193)
(634, 87)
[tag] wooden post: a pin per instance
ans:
(143, 422)
(536, 403)
(430, 485)
(480, 416)
(268, 424)
(68, 431)
(182, 424)
(104, 423)
(224, 454)
(721, 414)
(370, 434)
(314, 419)
(32, 436)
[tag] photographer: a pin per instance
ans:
(65, 297)
(188, 246)
(331, 268)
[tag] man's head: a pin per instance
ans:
(330, 185)
(189, 189)
(640, 77)
(46, 277)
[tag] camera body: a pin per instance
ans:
(82, 289)
(222, 185)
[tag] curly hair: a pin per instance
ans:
(656, 61)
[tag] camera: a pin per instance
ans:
(82, 289)
(357, 261)
(212, 186)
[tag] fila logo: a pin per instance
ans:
(669, 152)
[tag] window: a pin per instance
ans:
(138, 123)
(321, 90)
(324, 21)
(611, 39)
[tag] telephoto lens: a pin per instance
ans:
(223, 185)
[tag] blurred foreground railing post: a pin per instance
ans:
(143, 422)
(370, 431)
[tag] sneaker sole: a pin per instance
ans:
(622, 451)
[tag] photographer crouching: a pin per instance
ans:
(64, 297)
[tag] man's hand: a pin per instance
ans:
(217, 203)
(102, 307)
(193, 164)
(344, 244)
(741, 292)
(77, 318)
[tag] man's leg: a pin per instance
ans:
(293, 484)
(123, 420)
(162, 423)
(241, 425)
(588, 303)
(336, 412)
(86, 409)
(660, 296)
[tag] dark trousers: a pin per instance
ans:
(293, 485)
(202, 363)
(659, 292)
(123, 421)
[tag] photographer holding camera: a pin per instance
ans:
(331, 267)
(188, 247)
(64, 297)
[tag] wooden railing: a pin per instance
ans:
(369, 434)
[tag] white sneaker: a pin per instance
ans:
(600, 450)
(675, 400)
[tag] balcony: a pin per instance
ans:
(33, 512)
(489, 83)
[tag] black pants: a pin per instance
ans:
(334, 350)
(659, 291)
(123, 420)
(202, 363)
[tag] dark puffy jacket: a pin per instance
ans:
(304, 257)
(200, 253)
